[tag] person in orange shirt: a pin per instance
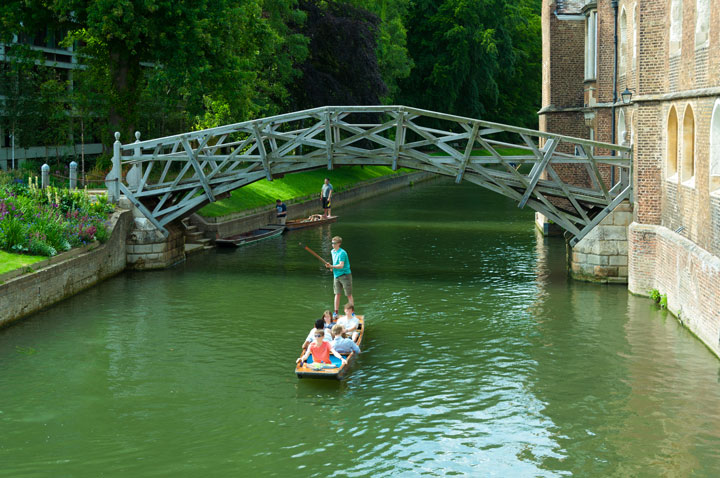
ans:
(320, 350)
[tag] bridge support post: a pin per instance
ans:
(113, 179)
(602, 255)
(147, 247)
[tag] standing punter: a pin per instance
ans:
(325, 195)
(341, 272)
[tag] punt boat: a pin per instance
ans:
(246, 238)
(336, 370)
(311, 221)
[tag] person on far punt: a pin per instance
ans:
(325, 196)
(281, 212)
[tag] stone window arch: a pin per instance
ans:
(702, 23)
(636, 33)
(622, 47)
(591, 45)
(622, 132)
(715, 150)
(671, 169)
(687, 161)
(675, 27)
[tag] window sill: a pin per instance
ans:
(672, 179)
(690, 183)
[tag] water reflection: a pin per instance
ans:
(481, 359)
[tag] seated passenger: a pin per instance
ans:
(340, 343)
(320, 350)
(321, 325)
(350, 322)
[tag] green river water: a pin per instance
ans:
(481, 358)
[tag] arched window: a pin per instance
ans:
(675, 27)
(672, 145)
(636, 33)
(702, 23)
(591, 45)
(687, 162)
(715, 149)
(622, 129)
(622, 53)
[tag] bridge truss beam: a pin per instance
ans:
(566, 179)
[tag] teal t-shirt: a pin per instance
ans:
(337, 257)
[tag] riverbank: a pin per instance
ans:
(244, 221)
(31, 288)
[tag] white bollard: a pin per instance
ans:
(45, 175)
(73, 175)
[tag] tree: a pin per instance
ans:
(392, 53)
(19, 83)
(462, 48)
(342, 66)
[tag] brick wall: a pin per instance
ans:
(565, 47)
(687, 274)
(653, 56)
(648, 163)
(682, 264)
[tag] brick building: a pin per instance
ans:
(665, 56)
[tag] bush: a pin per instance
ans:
(48, 221)
(39, 247)
(13, 234)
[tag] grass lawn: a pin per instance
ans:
(296, 185)
(10, 262)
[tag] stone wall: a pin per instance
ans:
(148, 249)
(677, 267)
(23, 292)
(602, 255)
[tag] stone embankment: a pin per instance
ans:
(32, 288)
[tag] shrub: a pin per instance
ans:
(39, 247)
(48, 221)
(102, 234)
(13, 234)
(655, 295)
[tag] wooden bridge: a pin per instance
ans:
(574, 182)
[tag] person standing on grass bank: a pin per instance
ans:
(325, 195)
(281, 212)
(341, 272)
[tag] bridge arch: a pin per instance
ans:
(169, 178)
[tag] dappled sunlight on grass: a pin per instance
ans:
(297, 185)
(9, 262)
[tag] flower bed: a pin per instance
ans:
(44, 222)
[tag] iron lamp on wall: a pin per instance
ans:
(626, 96)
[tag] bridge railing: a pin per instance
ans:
(575, 182)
